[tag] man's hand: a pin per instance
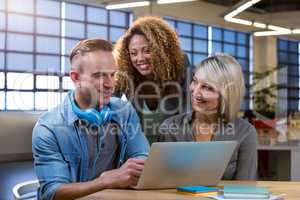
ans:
(126, 176)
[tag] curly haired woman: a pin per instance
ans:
(152, 72)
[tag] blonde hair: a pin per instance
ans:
(225, 73)
(166, 55)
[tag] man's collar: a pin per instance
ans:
(68, 112)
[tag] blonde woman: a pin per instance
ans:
(217, 90)
(152, 72)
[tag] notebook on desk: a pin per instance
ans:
(246, 191)
(197, 190)
(173, 164)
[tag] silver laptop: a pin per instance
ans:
(172, 164)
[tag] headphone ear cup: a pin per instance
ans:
(92, 115)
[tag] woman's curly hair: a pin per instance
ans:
(166, 55)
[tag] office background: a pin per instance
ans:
(36, 37)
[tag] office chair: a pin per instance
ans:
(26, 190)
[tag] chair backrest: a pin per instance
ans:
(26, 190)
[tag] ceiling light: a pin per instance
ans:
(272, 30)
(244, 6)
(239, 21)
(172, 1)
(231, 14)
(259, 25)
(269, 33)
(241, 7)
(127, 5)
(277, 28)
(255, 1)
(296, 31)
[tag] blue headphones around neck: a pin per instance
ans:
(92, 115)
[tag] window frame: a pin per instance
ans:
(290, 97)
(248, 73)
(61, 73)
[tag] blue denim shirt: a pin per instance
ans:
(60, 150)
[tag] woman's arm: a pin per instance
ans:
(247, 156)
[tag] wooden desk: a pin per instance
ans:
(291, 189)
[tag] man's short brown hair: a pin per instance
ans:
(90, 45)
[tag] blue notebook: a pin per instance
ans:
(246, 191)
(197, 189)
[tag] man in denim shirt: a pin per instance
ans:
(92, 141)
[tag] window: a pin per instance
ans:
(2, 80)
(48, 8)
(288, 56)
(2, 100)
(97, 15)
(19, 23)
(74, 30)
(238, 45)
(19, 81)
(20, 6)
(2, 21)
(96, 31)
(193, 39)
(52, 47)
(116, 33)
(117, 18)
(67, 83)
(22, 64)
(47, 82)
(2, 4)
(47, 63)
(1, 61)
(46, 100)
(74, 11)
(17, 100)
(198, 41)
(19, 42)
(48, 26)
(35, 41)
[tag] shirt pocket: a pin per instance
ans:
(73, 161)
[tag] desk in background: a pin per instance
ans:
(285, 159)
(291, 189)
